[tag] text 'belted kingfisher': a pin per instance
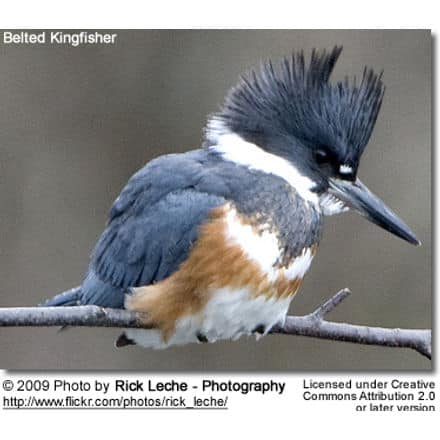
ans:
(214, 243)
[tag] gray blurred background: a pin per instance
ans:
(75, 123)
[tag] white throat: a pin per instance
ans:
(331, 205)
(234, 148)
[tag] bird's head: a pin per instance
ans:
(291, 121)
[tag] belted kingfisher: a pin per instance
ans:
(214, 243)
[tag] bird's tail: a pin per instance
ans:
(67, 298)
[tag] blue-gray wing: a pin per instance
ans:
(152, 226)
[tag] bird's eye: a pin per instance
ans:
(322, 157)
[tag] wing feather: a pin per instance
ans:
(151, 229)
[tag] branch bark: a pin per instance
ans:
(312, 325)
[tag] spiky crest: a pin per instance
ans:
(297, 100)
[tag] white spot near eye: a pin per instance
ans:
(346, 169)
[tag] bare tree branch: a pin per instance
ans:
(313, 325)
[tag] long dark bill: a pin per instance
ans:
(357, 196)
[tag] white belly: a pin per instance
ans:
(230, 314)
(227, 315)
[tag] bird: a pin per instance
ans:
(214, 243)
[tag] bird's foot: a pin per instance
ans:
(202, 338)
(259, 331)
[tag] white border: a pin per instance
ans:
(134, 14)
(254, 418)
